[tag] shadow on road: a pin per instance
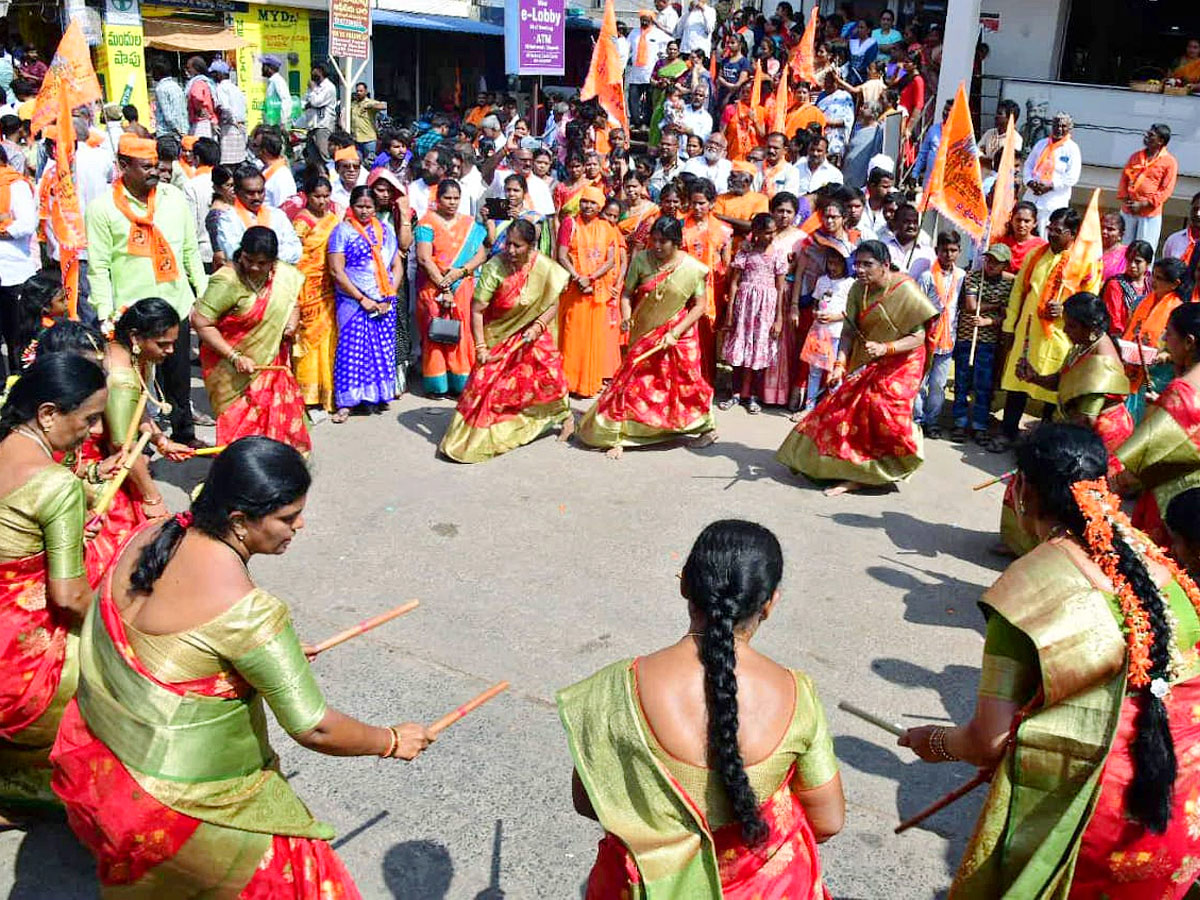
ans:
(908, 533)
(418, 870)
(52, 863)
(955, 685)
(429, 422)
(753, 464)
(945, 600)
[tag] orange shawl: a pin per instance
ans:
(248, 218)
(145, 238)
(1043, 169)
(1149, 320)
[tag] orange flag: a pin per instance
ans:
(756, 87)
(781, 101)
(70, 83)
(802, 55)
(1004, 190)
(712, 66)
(956, 185)
(604, 74)
(1084, 264)
(457, 87)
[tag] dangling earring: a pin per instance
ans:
(136, 350)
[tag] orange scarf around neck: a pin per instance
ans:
(382, 279)
(248, 218)
(145, 238)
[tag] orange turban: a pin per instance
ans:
(189, 141)
(593, 194)
(134, 147)
(740, 165)
(346, 153)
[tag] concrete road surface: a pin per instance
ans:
(544, 565)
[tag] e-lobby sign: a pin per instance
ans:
(534, 37)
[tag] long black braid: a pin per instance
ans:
(730, 575)
(1052, 460)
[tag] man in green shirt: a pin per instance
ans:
(161, 260)
(362, 121)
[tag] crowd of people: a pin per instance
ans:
(740, 256)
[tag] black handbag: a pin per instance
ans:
(445, 330)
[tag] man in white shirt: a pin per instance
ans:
(435, 165)
(646, 45)
(320, 103)
(19, 258)
(277, 87)
(668, 164)
(248, 209)
(775, 173)
(347, 165)
(622, 41)
(280, 183)
(93, 167)
(665, 16)
(521, 162)
(1182, 244)
(231, 114)
(712, 164)
(199, 191)
(492, 140)
(815, 171)
(910, 247)
(695, 28)
(467, 174)
(879, 184)
(696, 119)
(1052, 170)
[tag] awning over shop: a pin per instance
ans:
(434, 23)
(183, 36)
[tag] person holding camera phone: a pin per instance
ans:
(501, 212)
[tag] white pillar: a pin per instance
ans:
(958, 50)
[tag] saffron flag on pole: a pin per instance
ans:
(604, 80)
(781, 101)
(69, 84)
(1004, 189)
(756, 88)
(956, 184)
(802, 55)
(1084, 264)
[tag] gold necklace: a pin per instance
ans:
(160, 403)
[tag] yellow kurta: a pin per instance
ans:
(1046, 354)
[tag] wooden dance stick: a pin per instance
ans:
(135, 422)
(364, 626)
(999, 478)
(983, 776)
(109, 492)
(449, 719)
(258, 369)
(649, 353)
(1137, 339)
(210, 451)
(875, 720)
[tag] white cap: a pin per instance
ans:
(882, 161)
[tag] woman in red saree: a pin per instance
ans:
(246, 321)
(55, 405)
(162, 759)
(710, 241)
(861, 432)
(1087, 690)
(588, 248)
(659, 393)
(712, 772)
(518, 389)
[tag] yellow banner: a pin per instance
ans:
(120, 61)
(275, 30)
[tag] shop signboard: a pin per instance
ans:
(350, 28)
(121, 66)
(276, 30)
(534, 37)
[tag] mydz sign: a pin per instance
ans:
(534, 37)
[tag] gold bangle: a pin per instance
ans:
(396, 736)
(393, 739)
(937, 745)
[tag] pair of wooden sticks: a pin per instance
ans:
(981, 777)
(374, 622)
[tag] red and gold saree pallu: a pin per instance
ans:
(265, 403)
(521, 391)
(37, 679)
(1163, 453)
(173, 785)
(864, 430)
(1054, 824)
(660, 395)
(659, 843)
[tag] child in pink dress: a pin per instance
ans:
(754, 317)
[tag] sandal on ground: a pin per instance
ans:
(340, 416)
(753, 407)
(729, 403)
(959, 434)
(994, 443)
